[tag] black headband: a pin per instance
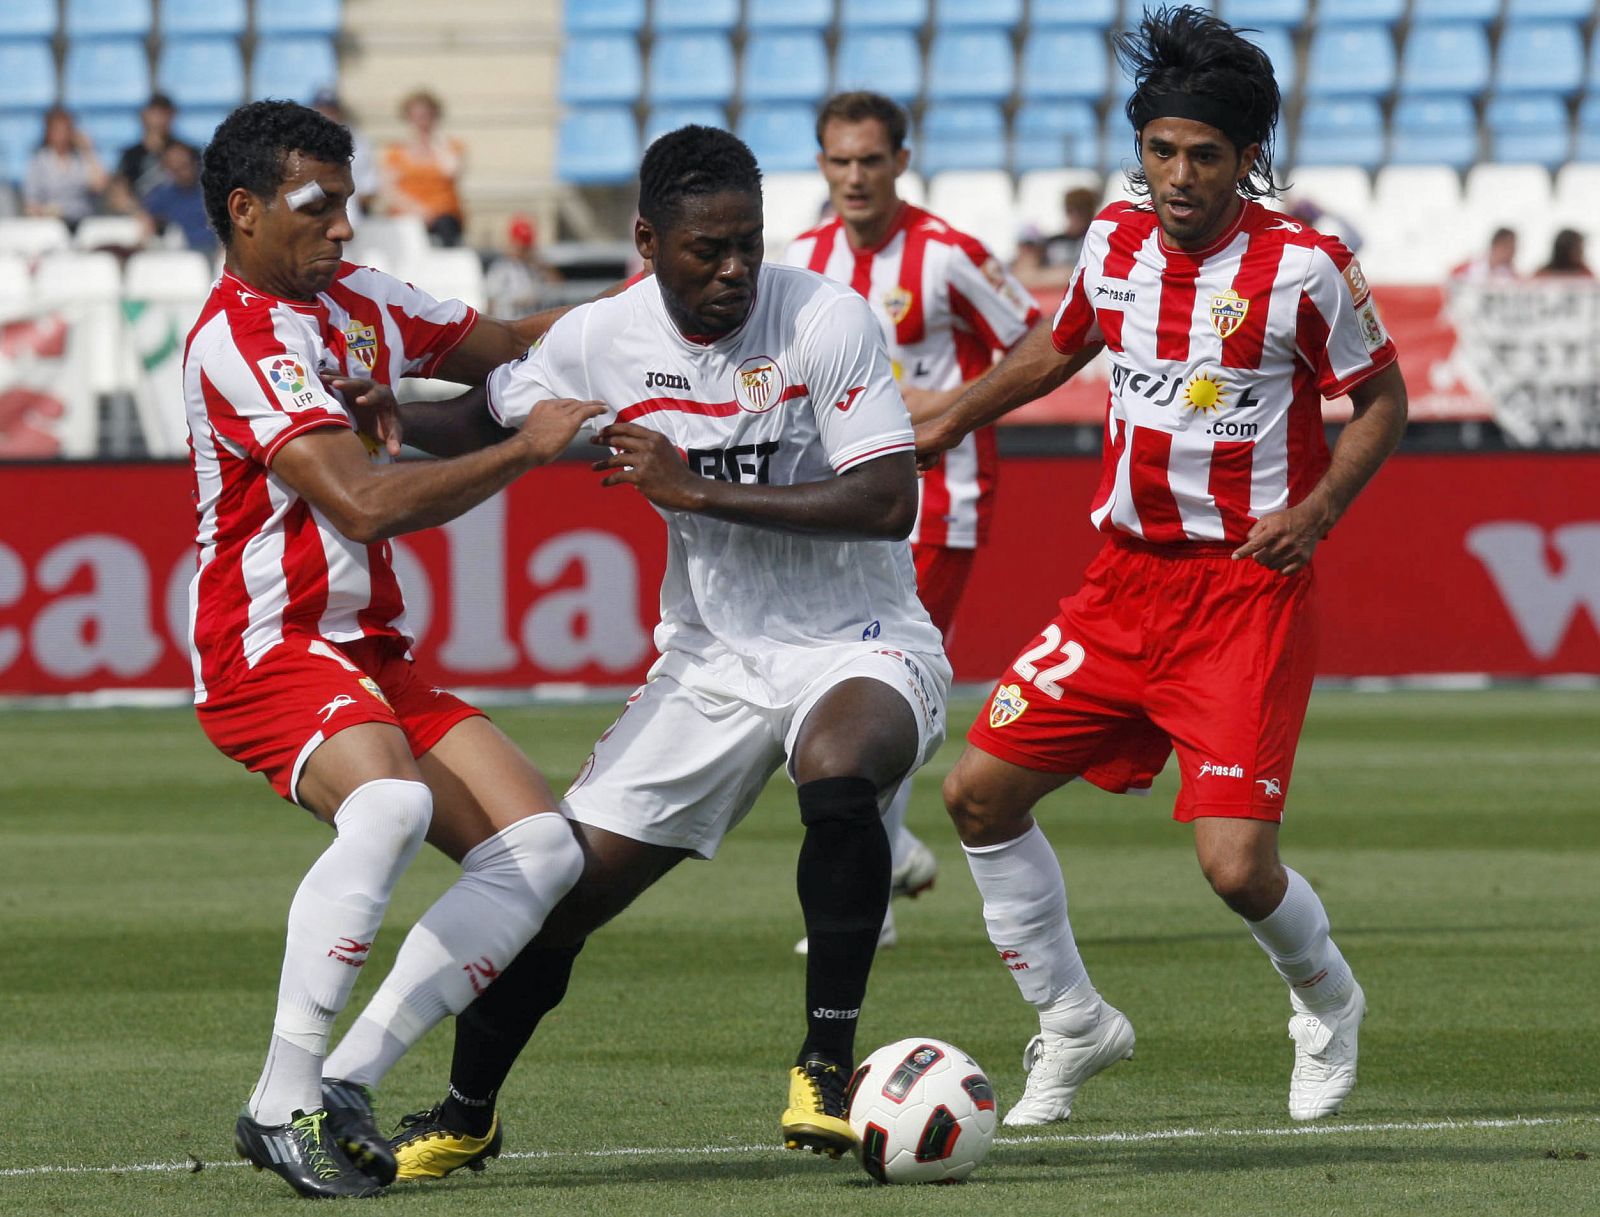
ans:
(1199, 107)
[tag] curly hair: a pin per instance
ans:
(1185, 51)
(693, 161)
(251, 146)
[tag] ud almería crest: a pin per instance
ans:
(1228, 310)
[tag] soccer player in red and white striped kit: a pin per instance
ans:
(948, 308)
(1224, 323)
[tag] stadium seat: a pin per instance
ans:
(1481, 11)
(16, 283)
(598, 145)
(1263, 14)
(31, 236)
(1342, 192)
(1447, 57)
(1518, 196)
(1341, 131)
(602, 16)
(27, 75)
(452, 274)
(1539, 57)
(1593, 74)
(1133, 11)
(981, 204)
(669, 118)
(111, 131)
(1098, 14)
(788, 15)
(201, 72)
(888, 61)
(971, 65)
(298, 17)
(791, 203)
(671, 15)
(1065, 63)
(295, 68)
(105, 73)
(20, 133)
(28, 19)
(1587, 146)
(197, 125)
(1275, 41)
(107, 232)
(391, 243)
(784, 65)
(1004, 14)
(1433, 130)
(871, 14)
(1531, 128)
(601, 68)
(107, 19)
(194, 17)
(1350, 61)
(691, 67)
(1118, 148)
(1056, 135)
(1040, 193)
(1570, 10)
(783, 137)
(90, 282)
(1407, 243)
(1360, 12)
(962, 135)
(1577, 187)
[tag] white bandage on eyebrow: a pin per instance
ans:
(305, 196)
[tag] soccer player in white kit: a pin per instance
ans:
(755, 407)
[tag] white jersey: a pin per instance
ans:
(801, 392)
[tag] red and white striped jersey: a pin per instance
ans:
(947, 307)
(1219, 360)
(270, 565)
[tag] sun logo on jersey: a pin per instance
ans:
(1204, 395)
(897, 303)
(758, 384)
(1228, 310)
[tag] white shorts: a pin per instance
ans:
(682, 765)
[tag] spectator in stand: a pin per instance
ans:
(363, 166)
(1496, 262)
(1566, 257)
(178, 201)
(518, 278)
(420, 171)
(1045, 263)
(139, 167)
(65, 178)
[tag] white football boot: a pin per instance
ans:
(1324, 1058)
(1058, 1065)
(887, 936)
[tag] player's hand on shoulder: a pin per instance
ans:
(647, 460)
(1285, 540)
(376, 412)
(552, 424)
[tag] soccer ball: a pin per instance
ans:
(922, 1111)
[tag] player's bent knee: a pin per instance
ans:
(390, 815)
(1246, 886)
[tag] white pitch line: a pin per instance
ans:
(698, 1151)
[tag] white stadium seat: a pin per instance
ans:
(1040, 194)
(791, 203)
(100, 232)
(1409, 239)
(172, 286)
(978, 202)
(33, 235)
(394, 244)
(87, 289)
(1516, 197)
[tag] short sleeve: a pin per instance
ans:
(553, 368)
(988, 299)
(261, 389)
(1076, 324)
(858, 407)
(1340, 335)
(429, 328)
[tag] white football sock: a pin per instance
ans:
(332, 923)
(1025, 910)
(1295, 937)
(508, 885)
(894, 824)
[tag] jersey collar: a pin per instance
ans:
(1223, 238)
(249, 294)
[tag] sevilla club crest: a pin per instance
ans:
(757, 384)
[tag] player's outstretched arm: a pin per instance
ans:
(876, 500)
(453, 426)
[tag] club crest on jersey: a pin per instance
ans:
(371, 686)
(361, 341)
(1007, 706)
(1228, 310)
(757, 384)
(291, 382)
(897, 303)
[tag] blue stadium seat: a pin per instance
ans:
(1539, 57)
(27, 75)
(1117, 144)
(1530, 128)
(107, 19)
(1570, 10)
(691, 67)
(1360, 12)
(1275, 41)
(962, 135)
(295, 68)
(971, 65)
(1341, 131)
(869, 14)
(298, 17)
(1055, 135)
(1448, 57)
(1133, 11)
(1587, 146)
(597, 145)
(601, 68)
(191, 17)
(105, 73)
(1100, 14)
(784, 65)
(1264, 13)
(201, 72)
(111, 131)
(788, 14)
(196, 126)
(888, 61)
(1480, 11)
(1436, 129)
(1006, 14)
(1065, 63)
(669, 118)
(28, 19)
(783, 137)
(602, 16)
(1350, 61)
(20, 133)
(670, 15)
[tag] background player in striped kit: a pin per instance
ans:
(947, 308)
(1224, 323)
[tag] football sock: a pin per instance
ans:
(508, 884)
(1295, 937)
(1025, 910)
(332, 923)
(843, 881)
(492, 1032)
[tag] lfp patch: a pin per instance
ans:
(291, 382)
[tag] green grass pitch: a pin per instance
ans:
(1455, 838)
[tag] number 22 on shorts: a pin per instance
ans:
(1048, 680)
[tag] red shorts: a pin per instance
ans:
(307, 690)
(941, 578)
(1166, 648)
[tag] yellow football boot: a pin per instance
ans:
(814, 1119)
(426, 1149)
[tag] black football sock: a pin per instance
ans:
(843, 881)
(492, 1032)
